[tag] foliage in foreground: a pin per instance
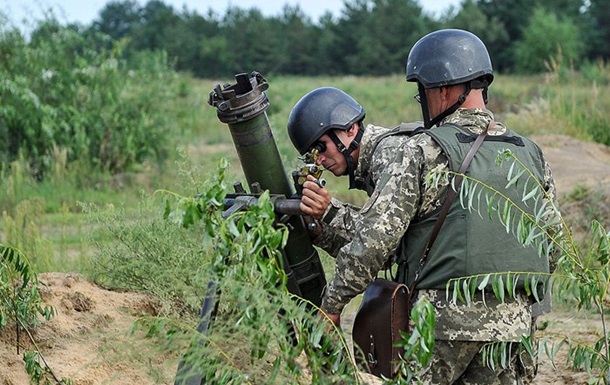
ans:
(21, 307)
(257, 318)
(262, 334)
(581, 271)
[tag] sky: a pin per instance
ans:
(85, 11)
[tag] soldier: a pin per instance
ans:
(453, 71)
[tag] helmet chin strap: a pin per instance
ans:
(428, 123)
(424, 105)
(437, 119)
(347, 153)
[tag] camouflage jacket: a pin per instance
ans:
(362, 239)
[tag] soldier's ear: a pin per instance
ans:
(353, 130)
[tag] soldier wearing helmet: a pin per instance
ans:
(328, 116)
(332, 121)
(447, 58)
(452, 70)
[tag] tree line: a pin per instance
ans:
(369, 37)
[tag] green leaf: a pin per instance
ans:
(484, 281)
(530, 194)
(233, 228)
(168, 209)
(498, 287)
(510, 287)
(466, 291)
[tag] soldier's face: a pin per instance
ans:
(332, 159)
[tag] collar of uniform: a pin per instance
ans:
(475, 120)
(366, 148)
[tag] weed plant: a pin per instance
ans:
(177, 257)
(260, 333)
(22, 309)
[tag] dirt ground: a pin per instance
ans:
(86, 340)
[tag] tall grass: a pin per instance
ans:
(530, 105)
(564, 101)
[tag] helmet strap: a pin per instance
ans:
(424, 105)
(347, 152)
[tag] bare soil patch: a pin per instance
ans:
(576, 163)
(89, 340)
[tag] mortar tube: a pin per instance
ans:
(242, 107)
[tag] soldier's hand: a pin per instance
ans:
(334, 318)
(315, 198)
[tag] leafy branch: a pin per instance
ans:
(21, 305)
(581, 275)
(504, 285)
(257, 317)
(418, 345)
(543, 228)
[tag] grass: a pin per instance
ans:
(54, 225)
(112, 229)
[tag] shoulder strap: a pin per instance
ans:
(449, 200)
(408, 129)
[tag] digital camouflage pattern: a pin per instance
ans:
(462, 363)
(363, 239)
(488, 320)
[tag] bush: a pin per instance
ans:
(545, 35)
(60, 91)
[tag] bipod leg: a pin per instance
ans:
(186, 375)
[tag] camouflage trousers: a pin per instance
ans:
(461, 363)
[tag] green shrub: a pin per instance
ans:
(21, 307)
(545, 35)
(597, 72)
(59, 92)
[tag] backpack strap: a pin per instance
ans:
(408, 129)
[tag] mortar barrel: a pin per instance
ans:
(242, 107)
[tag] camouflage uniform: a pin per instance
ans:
(362, 239)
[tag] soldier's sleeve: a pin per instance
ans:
(339, 221)
(378, 227)
(337, 227)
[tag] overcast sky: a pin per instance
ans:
(85, 11)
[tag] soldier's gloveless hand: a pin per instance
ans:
(315, 198)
